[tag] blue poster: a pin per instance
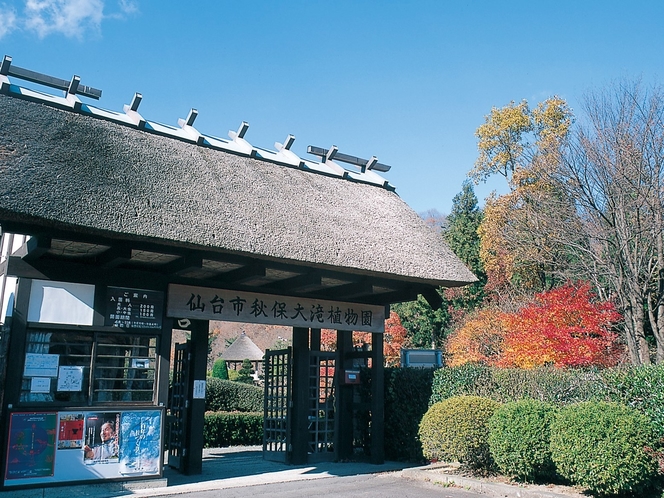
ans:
(31, 449)
(140, 442)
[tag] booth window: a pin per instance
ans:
(88, 368)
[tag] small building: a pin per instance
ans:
(116, 230)
(242, 349)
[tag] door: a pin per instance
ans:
(276, 424)
(321, 407)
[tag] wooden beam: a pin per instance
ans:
(297, 283)
(243, 274)
(18, 267)
(33, 249)
(182, 265)
(114, 257)
(349, 291)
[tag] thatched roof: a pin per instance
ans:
(243, 348)
(64, 171)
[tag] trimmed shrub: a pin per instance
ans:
(232, 429)
(244, 374)
(600, 446)
(469, 379)
(519, 439)
(407, 393)
(227, 396)
(641, 388)
(456, 429)
(548, 384)
(220, 370)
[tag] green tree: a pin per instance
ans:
(426, 327)
(244, 374)
(220, 369)
(463, 238)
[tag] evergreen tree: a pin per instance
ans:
(462, 237)
(220, 369)
(244, 374)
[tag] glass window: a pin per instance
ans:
(123, 367)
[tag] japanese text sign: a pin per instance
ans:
(203, 303)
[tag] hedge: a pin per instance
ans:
(546, 384)
(232, 429)
(228, 396)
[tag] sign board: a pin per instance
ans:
(83, 445)
(204, 303)
(134, 308)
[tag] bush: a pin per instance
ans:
(548, 384)
(227, 396)
(220, 370)
(641, 388)
(457, 430)
(600, 446)
(245, 373)
(232, 429)
(468, 379)
(407, 393)
(519, 439)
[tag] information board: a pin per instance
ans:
(134, 308)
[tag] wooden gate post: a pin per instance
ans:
(198, 365)
(377, 399)
(300, 412)
(344, 416)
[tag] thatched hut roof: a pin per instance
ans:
(243, 348)
(68, 172)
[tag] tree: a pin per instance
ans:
(613, 168)
(564, 327)
(464, 240)
(246, 372)
(220, 369)
(426, 327)
(516, 245)
(478, 339)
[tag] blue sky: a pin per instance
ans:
(406, 81)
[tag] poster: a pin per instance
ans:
(41, 365)
(71, 433)
(84, 445)
(140, 442)
(70, 379)
(101, 438)
(31, 447)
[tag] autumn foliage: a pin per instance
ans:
(564, 327)
(394, 339)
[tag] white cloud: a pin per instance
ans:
(7, 20)
(68, 17)
(128, 6)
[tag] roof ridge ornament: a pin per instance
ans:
(185, 131)
(187, 126)
(238, 138)
(131, 110)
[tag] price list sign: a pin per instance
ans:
(134, 308)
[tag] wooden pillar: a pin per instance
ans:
(15, 361)
(377, 399)
(198, 366)
(344, 409)
(300, 389)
